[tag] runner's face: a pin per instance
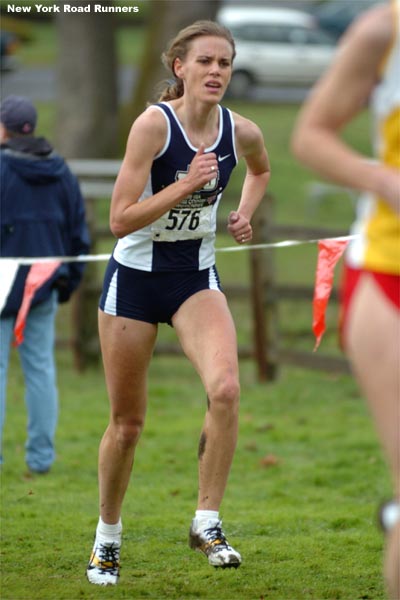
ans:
(207, 68)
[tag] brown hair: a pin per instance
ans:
(179, 47)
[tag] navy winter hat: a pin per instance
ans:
(18, 114)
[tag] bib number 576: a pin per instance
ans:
(183, 219)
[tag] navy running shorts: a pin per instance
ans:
(153, 297)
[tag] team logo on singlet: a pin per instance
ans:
(206, 193)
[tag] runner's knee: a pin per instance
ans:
(128, 432)
(224, 393)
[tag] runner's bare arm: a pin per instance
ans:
(340, 95)
(250, 147)
(146, 139)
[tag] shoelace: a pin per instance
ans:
(215, 534)
(109, 556)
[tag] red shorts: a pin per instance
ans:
(389, 284)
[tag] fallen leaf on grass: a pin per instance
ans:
(265, 427)
(270, 460)
(251, 447)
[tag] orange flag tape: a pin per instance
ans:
(329, 252)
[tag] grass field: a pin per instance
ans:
(300, 504)
(307, 477)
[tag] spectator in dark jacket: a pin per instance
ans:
(42, 214)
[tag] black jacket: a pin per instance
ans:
(42, 214)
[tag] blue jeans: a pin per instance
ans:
(41, 394)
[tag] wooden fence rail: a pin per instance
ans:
(96, 180)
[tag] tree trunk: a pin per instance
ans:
(87, 111)
(167, 17)
(87, 127)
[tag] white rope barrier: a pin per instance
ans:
(103, 257)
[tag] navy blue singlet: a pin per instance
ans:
(183, 238)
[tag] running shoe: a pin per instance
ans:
(103, 567)
(212, 542)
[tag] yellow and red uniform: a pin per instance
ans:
(376, 249)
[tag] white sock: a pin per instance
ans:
(390, 515)
(204, 516)
(109, 533)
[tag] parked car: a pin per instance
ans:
(335, 16)
(275, 47)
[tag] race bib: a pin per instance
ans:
(183, 223)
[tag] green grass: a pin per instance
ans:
(305, 525)
(290, 180)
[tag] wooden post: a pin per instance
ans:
(262, 294)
